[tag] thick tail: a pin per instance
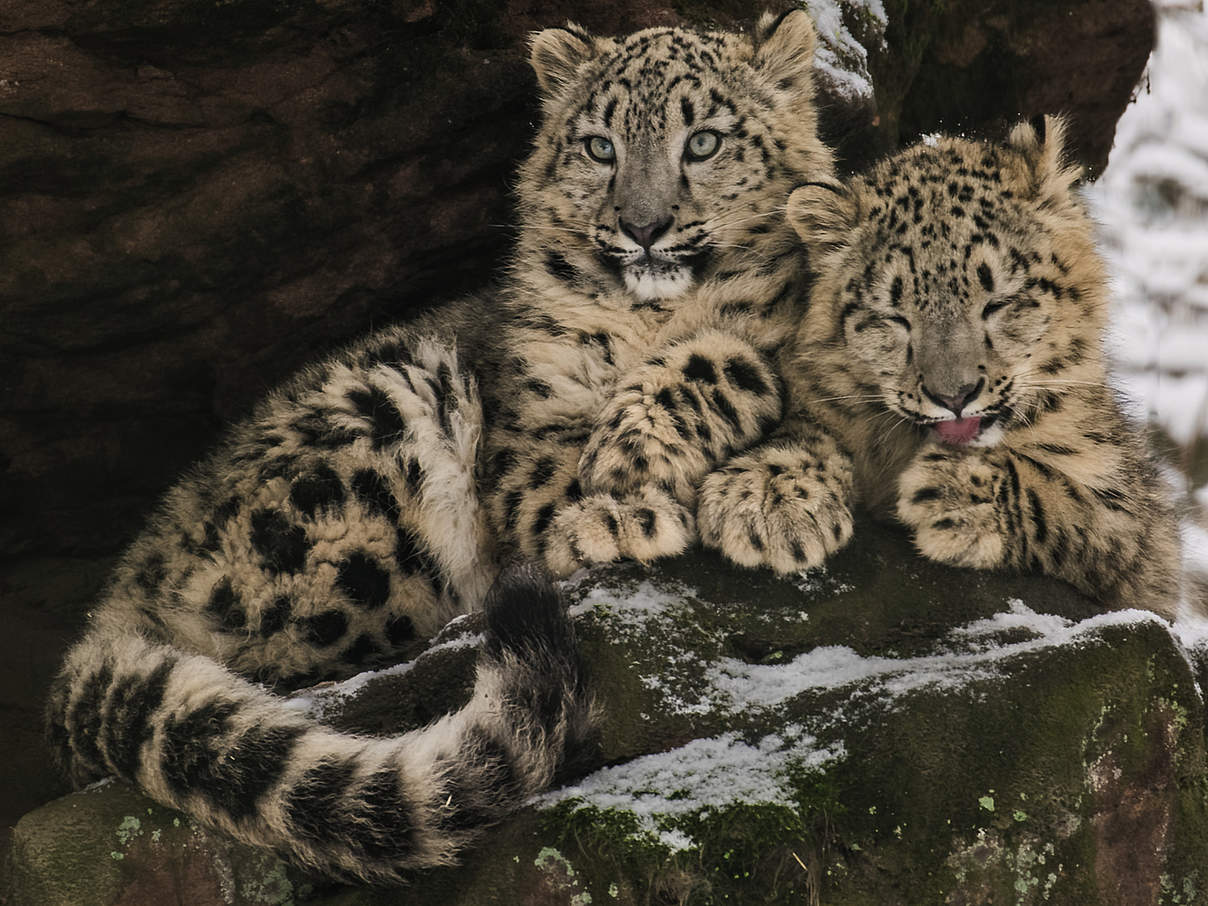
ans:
(197, 738)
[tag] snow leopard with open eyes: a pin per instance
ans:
(950, 371)
(566, 417)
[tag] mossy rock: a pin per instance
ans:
(111, 845)
(886, 730)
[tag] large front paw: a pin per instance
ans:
(601, 528)
(642, 440)
(781, 510)
(948, 498)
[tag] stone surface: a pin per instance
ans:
(886, 731)
(981, 65)
(110, 845)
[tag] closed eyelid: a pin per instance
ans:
(997, 304)
(875, 318)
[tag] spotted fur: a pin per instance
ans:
(635, 372)
(197, 738)
(567, 417)
(950, 371)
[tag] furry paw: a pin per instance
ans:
(776, 510)
(681, 414)
(640, 441)
(948, 499)
(601, 528)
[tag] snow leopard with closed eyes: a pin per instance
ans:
(950, 372)
(567, 418)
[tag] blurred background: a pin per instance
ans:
(1152, 206)
(199, 196)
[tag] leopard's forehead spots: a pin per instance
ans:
(947, 225)
(655, 60)
(662, 79)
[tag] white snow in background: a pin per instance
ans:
(1152, 203)
(705, 773)
(840, 60)
(1195, 548)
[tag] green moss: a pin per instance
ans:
(738, 853)
(130, 827)
(1179, 892)
(562, 875)
(268, 883)
(619, 830)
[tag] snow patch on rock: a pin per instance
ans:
(704, 774)
(836, 666)
(317, 701)
(644, 597)
(841, 61)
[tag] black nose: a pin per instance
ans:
(958, 400)
(646, 235)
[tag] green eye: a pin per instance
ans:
(702, 145)
(601, 149)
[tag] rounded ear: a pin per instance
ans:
(557, 53)
(784, 48)
(823, 213)
(1042, 142)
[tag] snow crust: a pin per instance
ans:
(841, 61)
(835, 666)
(645, 597)
(705, 773)
(317, 701)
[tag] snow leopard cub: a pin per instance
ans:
(950, 371)
(568, 416)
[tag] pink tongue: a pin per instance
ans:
(958, 430)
